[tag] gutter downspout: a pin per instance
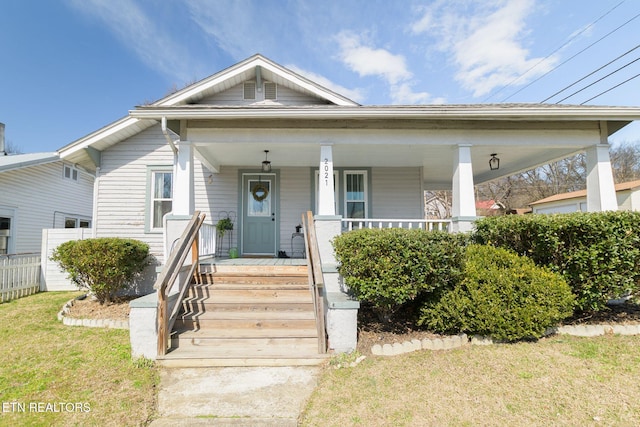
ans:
(166, 135)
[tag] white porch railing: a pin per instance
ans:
(207, 241)
(19, 276)
(349, 224)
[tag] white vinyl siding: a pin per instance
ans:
(123, 191)
(396, 193)
(38, 195)
(294, 201)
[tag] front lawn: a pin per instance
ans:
(55, 375)
(559, 381)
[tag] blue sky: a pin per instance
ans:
(69, 67)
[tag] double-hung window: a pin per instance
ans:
(161, 194)
(355, 194)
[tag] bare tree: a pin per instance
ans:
(11, 148)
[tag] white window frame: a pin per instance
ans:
(152, 199)
(70, 173)
(365, 180)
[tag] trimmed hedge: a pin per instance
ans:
(597, 253)
(502, 295)
(103, 266)
(391, 267)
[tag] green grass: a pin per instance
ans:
(85, 375)
(559, 381)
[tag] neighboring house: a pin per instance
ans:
(627, 196)
(205, 146)
(39, 191)
(489, 208)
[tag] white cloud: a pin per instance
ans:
(137, 32)
(403, 94)
(367, 61)
(392, 68)
(484, 40)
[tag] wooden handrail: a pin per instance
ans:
(316, 279)
(166, 279)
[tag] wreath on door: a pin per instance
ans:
(259, 192)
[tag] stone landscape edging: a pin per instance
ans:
(91, 323)
(460, 340)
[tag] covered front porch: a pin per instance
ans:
(366, 185)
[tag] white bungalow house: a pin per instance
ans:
(40, 191)
(263, 144)
(627, 196)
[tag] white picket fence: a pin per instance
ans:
(19, 276)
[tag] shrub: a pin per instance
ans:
(390, 267)
(104, 266)
(502, 295)
(597, 253)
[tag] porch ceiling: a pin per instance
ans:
(436, 160)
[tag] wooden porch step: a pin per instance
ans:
(198, 306)
(256, 316)
(245, 327)
(252, 279)
(253, 269)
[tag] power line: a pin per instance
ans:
(557, 49)
(599, 80)
(611, 88)
(588, 75)
(571, 57)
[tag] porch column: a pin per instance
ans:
(463, 209)
(601, 193)
(326, 191)
(183, 197)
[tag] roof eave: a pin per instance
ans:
(391, 112)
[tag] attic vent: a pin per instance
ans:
(270, 91)
(250, 90)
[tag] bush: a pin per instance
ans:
(104, 266)
(597, 253)
(502, 295)
(390, 267)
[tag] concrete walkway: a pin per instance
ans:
(255, 396)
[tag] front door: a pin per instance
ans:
(259, 212)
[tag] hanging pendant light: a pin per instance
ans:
(494, 162)
(266, 164)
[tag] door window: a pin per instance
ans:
(259, 198)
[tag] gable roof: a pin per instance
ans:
(20, 161)
(631, 185)
(257, 65)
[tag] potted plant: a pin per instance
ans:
(223, 225)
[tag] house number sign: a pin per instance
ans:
(326, 202)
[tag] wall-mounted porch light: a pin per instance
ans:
(266, 164)
(494, 162)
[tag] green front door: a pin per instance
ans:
(259, 215)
